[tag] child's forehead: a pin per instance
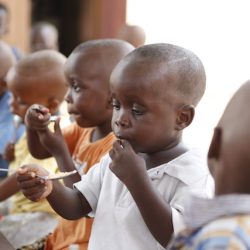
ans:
(83, 58)
(144, 75)
(31, 78)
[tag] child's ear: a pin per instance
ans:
(185, 116)
(53, 104)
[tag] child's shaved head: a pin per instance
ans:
(174, 66)
(110, 51)
(43, 70)
(133, 34)
(88, 70)
(229, 157)
(7, 59)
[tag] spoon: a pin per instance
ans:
(57, 176)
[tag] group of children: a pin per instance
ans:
(137, 186)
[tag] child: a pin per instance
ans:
(37, 78)
(43, 35)
(133, 34)
(87, 69)
(137, 190)
(9, 131)
(224, 222)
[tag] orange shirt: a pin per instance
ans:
(88, 153)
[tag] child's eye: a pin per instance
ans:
(115, 104)
(75, 87)
(137, 112)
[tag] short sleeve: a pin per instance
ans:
(177, 220)
(91, 183)
(202, 188)
(71, 135)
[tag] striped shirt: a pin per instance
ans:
(218, 224)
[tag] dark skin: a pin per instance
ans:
(137, 113)
(89, 103)
(228, 156)
(43, 37)
(23, 97)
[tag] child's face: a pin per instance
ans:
(42, 40)
(24, 97)
(142, 114)
(88, 95)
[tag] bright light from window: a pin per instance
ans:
(218, 32)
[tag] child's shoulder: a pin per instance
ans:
(188, 167)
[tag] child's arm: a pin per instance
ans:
(56, 145)
(8, 187)
(49, 143)
(36, 121)
(131, 170)
(9, 152)
(67, 202)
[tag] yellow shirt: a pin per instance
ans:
(20, 204)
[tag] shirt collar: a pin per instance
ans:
(201, 211)
(188, 167)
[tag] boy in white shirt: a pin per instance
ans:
(138, 189)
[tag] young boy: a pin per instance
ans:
(87, 69)
(37, 78)
(224, 222)
(43, 35)
(137, 190)
(9, 131)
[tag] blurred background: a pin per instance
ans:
(216, 30)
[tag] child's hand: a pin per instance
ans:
(126, 164)
(53, 142)
(33, 187)
(9, 152)
(37, 117)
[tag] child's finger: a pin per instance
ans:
(125, 144)
(31, 183)
(36, 195)
(39, 109)
(121, 144)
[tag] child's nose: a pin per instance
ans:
(122, 119)
(67, 97)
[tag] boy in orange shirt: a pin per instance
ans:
(87, 69)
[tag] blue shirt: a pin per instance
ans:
(9, 132)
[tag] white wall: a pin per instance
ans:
(218, 31)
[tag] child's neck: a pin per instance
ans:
(156, 159)
(101, 131)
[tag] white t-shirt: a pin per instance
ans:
(118, 223)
